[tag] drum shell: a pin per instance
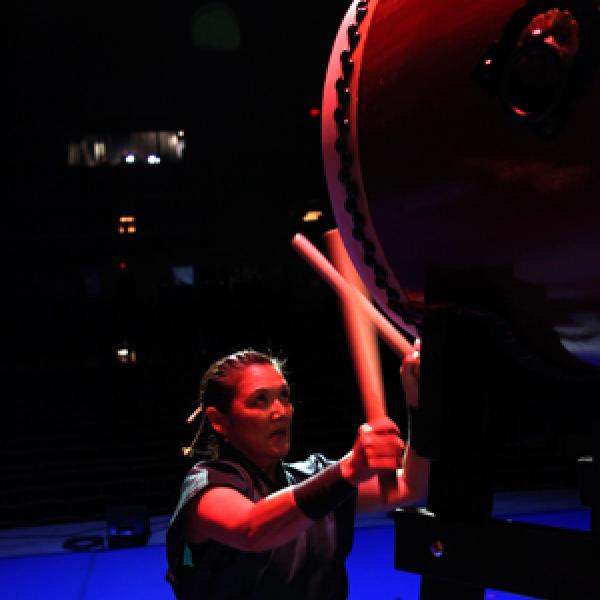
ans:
(461, 198)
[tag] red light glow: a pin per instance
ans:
(520, 112)
(315, 112)
(122, 266)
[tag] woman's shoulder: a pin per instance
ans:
(219, 465)
(309, 466)
(217, 472)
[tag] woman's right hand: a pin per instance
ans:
(377, 448)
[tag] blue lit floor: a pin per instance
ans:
(33, 565)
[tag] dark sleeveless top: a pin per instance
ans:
(310, 567)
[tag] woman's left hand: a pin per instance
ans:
(410, 373)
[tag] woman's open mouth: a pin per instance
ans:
(279, 433)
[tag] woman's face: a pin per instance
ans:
(259, 417)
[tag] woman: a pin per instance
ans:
(251, 526)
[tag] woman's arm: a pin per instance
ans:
(413, 477)
(227, 516)
(411, 489)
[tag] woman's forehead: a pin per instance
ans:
(259, 376)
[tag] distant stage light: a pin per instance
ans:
(312, 215)
(130, 159)
(153, 159)
(126, 356)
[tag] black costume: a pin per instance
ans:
(310, 567)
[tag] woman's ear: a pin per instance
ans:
(217, 419)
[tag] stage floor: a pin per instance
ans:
(34, 566)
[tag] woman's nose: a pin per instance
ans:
(279, 409)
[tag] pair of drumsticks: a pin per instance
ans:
(362, 321)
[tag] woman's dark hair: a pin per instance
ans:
(218, 387)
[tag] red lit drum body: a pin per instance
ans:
(462, 149)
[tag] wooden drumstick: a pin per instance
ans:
(362, 341)
(394, 339)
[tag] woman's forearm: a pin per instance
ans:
(411, 486)
(274, 521)
(225, 515)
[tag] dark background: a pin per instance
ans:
(80, 431)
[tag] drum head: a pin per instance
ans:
(461, 149)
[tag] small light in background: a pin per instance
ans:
(126, 356)
(127, 224)
(127, 526)
(315, 112)
(122, 266)
(153, 159)
(312, 215)
(184, 275)
(177, 144)
(117, 148)
(99, 152)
